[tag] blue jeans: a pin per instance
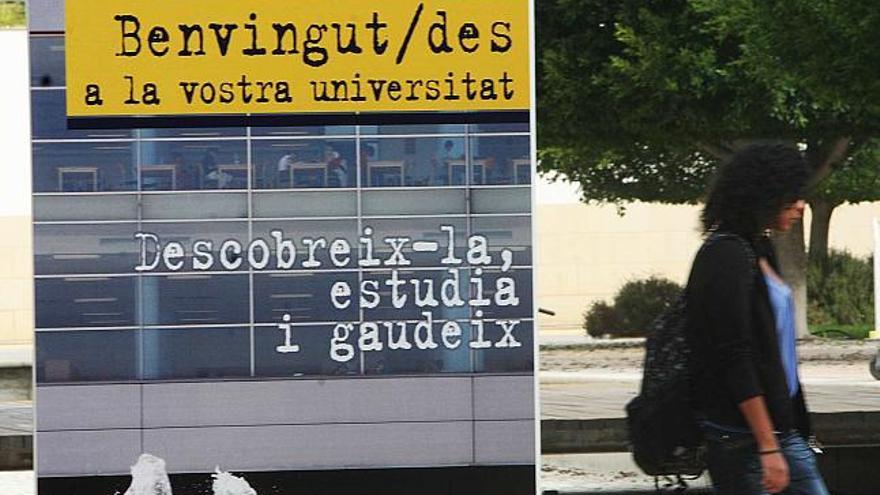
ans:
(735, 466)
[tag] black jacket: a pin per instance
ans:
(732, 332)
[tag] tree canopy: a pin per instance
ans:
(638, 100)
(12, 13)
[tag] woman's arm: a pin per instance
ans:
(774, 467)
(725, 278)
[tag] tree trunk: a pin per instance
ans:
(821, 210)
(793, 264)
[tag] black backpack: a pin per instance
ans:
(663, 432)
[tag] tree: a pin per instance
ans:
(640, 100)
(858, 180)
(12, 13)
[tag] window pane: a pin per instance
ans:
(88, 207)
(514, 300)
(193, 132)
(501, 160)
(415, 161)
(192, 165)
(324, 233)
(101, 248)
(214, 253)
(305, 297)
(424, 231)
(84, 167)
(288, 204)
(513, 233)
(49, 119)
(507, 359)
(273, 357)
(85, 302)
(195, 299)
(47, 61)
(87, 356)
(415, 202)
(371, 130)
(501, 200)
(196, 353)
(337, 130)
(221, 205)
(499, 128)
(431, 285)
(304, 163)
(451, 354)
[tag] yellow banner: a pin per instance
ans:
(193, 57)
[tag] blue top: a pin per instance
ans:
(782, 301)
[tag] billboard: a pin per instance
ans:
(233, 272)
(168, 58)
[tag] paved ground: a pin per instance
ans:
(583, 378)
(598, 473)
(17, 483)
(602, 393)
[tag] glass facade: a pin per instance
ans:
(180, 254)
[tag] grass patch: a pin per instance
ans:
(833, 331)
(12, 14)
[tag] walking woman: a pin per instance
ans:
(741, 324)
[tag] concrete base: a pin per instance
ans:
(474, 480)
(851, 470)
(571, 436)
(851, 442)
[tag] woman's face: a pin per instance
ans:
(789, 214)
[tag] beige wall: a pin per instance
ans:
(16, 288)
(585, 253)
(851, 228)
(16, 282)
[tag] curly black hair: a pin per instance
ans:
(752, 188)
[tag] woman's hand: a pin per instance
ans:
(774, 469)
(775, 472)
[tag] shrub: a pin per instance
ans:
(841, 292)
(639, 302)
(601, 320)
(635, 306)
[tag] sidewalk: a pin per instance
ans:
(17, 483)
(600, 393)
(16, 356)
(583, 378)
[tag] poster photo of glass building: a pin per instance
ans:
(343, 306)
